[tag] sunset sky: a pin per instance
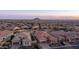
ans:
(43, 14)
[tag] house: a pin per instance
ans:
(43, 36)
(23, 37)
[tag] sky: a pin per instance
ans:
(43, 14)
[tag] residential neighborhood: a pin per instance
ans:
(38, 34)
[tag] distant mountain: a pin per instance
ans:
(40, 17)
